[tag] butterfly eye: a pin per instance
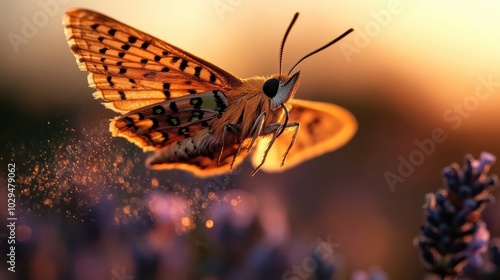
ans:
(270, 87)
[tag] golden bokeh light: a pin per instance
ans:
(209, 223)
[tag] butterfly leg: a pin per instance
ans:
(234, 130)
(277, 129)
(296, 127)
(255, 131)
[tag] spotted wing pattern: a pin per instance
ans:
(131, 69)
(164, 123)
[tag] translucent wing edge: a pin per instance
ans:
(338, 140)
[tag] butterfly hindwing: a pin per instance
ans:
(164, 123)
(131, 69)
(202, 165)
(324, 127)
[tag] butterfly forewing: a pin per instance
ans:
(131, 69)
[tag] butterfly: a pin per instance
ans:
(194, 115)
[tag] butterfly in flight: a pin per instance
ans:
(194, 115)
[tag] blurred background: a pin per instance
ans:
(87, 207)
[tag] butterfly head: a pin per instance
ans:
(280, 89)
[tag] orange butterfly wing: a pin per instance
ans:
(324, 127)
(131, 69)
(134, 71)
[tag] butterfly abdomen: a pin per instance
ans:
(202, 144)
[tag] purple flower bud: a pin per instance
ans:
(478, 245)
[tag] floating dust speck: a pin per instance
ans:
(77, 169)
(84, 167)
(154, 183)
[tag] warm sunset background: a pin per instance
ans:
(411, 67)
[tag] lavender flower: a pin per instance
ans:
(495, 258)
(478, 245)
(375, 273)
(454, 234)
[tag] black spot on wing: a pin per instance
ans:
(129, 121)
(140, 116)
(219, 102)
(165, 136)
(158, 110)
(109, 79)
(196, 102)
(155, 124)
(196, 116)
(197, 71)
(112, 32)
(183, 131)
(173, 107)
(166, 90)
(75, 48)
(183, 65)
(213, 78)
(132, 39)
(173, 121)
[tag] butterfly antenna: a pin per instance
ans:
(320, 49)
(284, 38)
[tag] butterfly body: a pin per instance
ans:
(245, 105)
(194, 115)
